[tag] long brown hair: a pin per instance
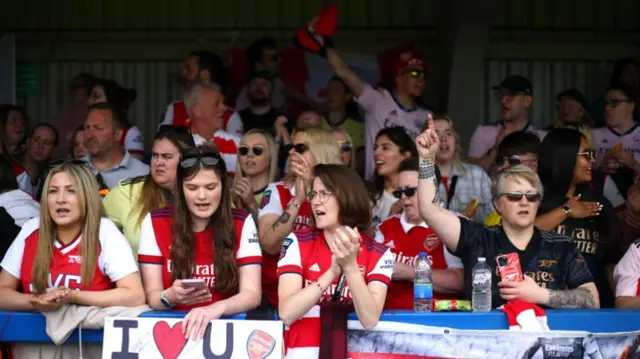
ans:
(91, 212)
(152, 195)
(224, 234)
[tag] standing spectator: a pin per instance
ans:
(515, 94)
(202, 67)
(308, 119)
(78, 149)
(128, 203)
(260, 113)
(346, 147)
(340, 112)
(627, 277)
(103, 133)
(572, 109)
(572, 208)
(20, 206)
(41, 142)
(14, 125)
(626, 73)
(120, 99)
(464, 188)
(76, 113)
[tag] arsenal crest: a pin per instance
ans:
(260, 345)
(431, 242)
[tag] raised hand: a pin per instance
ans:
(428, 142)
(583, 209)
(244, 191)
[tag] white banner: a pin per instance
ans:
(150, 338)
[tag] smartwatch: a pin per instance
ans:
(164, 300)
(567, 210)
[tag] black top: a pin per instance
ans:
(264, 121)
(550, 258)
(8, 231)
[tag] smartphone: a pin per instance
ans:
(509, 267)
(198, 284)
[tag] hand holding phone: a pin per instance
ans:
(198, 284)
(509, 267)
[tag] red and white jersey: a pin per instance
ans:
(156, 238)
(133, 141)
(306, 253)
(406, 240)
(605, 138)
(228, 144)
(275, 200)
(176, 114)
(627, 272)
(115, 259)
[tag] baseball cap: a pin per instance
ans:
(408, 60)
(260, 74)
(515, 84)
(573, 94)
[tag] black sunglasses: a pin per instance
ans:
(408, 191)
(207, 159)
(172, 128)
(345, 147)
(300, 148)
(244, 150)
(590, 154)
(517, 196)
(75, 162)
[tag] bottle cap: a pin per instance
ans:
(482, 259)
(422, 255)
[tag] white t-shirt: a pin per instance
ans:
(380, 211)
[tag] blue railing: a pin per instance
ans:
(30, 327)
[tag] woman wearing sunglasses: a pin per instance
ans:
(407, 235)
(346, 147)
(199, 254)
(331, 262)
(71, 254)
(555, 274)
(284, 207)
(257, 167)
(132, 199)
(574, 208)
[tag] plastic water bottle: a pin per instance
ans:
(481, 279)
(422, 286)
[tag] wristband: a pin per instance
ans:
(165, 301)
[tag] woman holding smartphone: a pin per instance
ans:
(200, 239)
(71, 253)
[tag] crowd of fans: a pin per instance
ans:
(275, 207)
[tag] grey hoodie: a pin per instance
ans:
(20, 205)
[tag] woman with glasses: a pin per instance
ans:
(572, 206)
(199, 254)
(465, 188)
(407, 235)
(284, 207)
(331, 262)
(393, 145)
(71, 253)
(555, 273)
(257, 167)
(132, 199)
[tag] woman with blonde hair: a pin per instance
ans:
(129, 202)
(257, 167)
(285, 206)
(345, 143)
(71, 254)
(464, 188)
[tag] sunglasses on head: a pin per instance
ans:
(345, 147)
(415, 73)
(408, 191)
(244, 150)
(300, 148)
(590, 154)
(172, 128)
(75, 162)
(207, 159)
(517, 196)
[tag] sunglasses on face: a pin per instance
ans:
(517, 196)
(615, 102)
(207, 159)
(300, 148)
(345, 147)
(408, 191)
(589, 154)
(244, 150)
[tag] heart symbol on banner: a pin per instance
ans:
(170, 341)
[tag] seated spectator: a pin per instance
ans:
(571, 207)
(308, 119)
(132, 199)
(518, 148)
(285, 207)
(14, 125)
(393, 145)
(45, 258)
(120, 99)
(465, 188)
(257, 167)
(41, 142)
(77, 149)
(20, 205)
(103, 132)
(347, 150)
(261, 112)
(407, 235)
(200, 237)
(314, 262)
(555, 273)
(627, 277)
(572, 109)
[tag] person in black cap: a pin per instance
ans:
(572, 109)
(515, 94)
